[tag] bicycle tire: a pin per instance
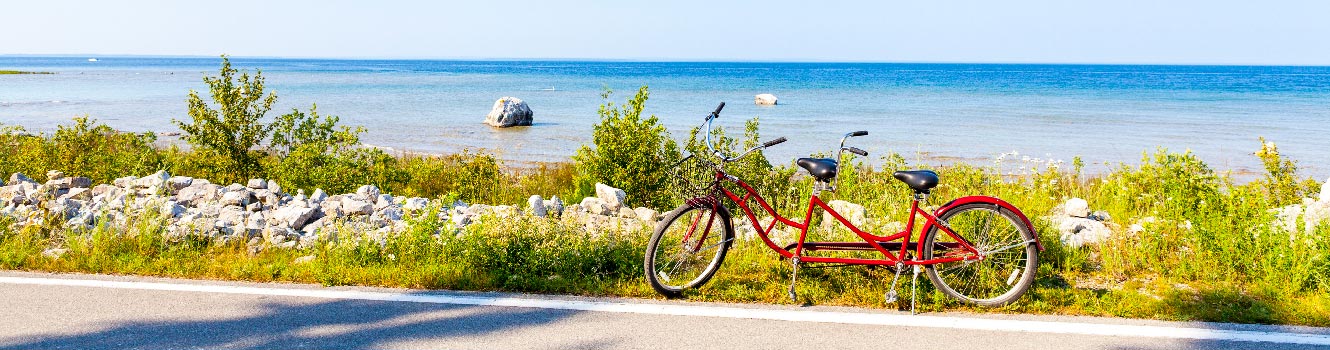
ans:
(665, 274)
(984, 282)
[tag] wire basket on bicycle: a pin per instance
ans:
(691, 177)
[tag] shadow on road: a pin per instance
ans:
(333, 324)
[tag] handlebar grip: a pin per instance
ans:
(859, 133)
(718, 108)
(861, 153)
(774, 142)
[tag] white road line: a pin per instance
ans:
(727, 312)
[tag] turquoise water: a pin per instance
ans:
(928, 112)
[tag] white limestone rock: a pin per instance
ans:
(177, 183)
(611, 196)
(508, 112)
(415, 204)
(854, 213)
(647, 215)
(294, 217)
(155, 181)
(594, 205)
(536, 205)
(1076, 207)
(19, 178)
(318, 196)
(765, 100)
(352, 206)
(368, 193)
(1077, 232)
(554, 206)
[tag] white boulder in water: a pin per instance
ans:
(509, 111)
(765, 99)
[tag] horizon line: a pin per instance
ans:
(643, 60)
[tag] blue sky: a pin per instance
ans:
(1124, 31)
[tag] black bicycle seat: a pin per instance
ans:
(919, 180)
(823, 169)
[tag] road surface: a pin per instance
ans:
(50, 311)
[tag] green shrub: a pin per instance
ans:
(85, 148)
(231, 132)
(628, 152)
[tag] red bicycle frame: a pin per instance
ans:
(899, 242)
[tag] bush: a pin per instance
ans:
(85, 148)
(230, 133)
(631, 153)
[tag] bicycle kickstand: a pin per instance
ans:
(794, 276)
(914, 288)
(891, 295)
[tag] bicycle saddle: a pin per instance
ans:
(823, 169)
(919, 180)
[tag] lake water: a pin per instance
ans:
(927, 112)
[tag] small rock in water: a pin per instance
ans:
(765, 100)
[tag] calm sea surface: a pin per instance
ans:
(927, 112)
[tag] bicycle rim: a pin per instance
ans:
(1010, 257)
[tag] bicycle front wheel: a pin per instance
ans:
(1009, 255)
(687, 248)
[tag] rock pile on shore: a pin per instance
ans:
(1077, 226)
(261, 209)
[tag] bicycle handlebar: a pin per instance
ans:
(707, 129)
(859, 133)
(716, 114)
(861, 153)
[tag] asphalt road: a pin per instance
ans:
(46, 311)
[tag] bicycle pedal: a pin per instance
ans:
(890, 296)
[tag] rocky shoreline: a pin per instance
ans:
(261, 211)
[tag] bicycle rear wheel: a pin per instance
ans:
(687, 248)
(1010, 256)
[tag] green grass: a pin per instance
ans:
(3, 72)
